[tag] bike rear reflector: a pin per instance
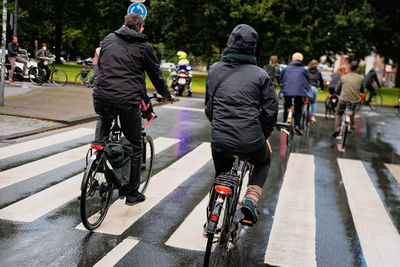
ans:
(246, 221)
(98, 147)
(330, 96)
(223, 189)
(214, 218)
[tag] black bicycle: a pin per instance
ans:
(224, 223)
(96, 190)
(305, 115)
(57, 76)
(84, 77)
(331, 102)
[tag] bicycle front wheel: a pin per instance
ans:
(59, 77)
(36, 76)
(96, 195)
(147, 163)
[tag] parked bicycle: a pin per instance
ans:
(84, 77)
(224, 222)
(57, 76)
(96, 189)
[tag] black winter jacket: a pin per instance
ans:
(125, 56)
(315, 78)
(245, 105)
(371, 77)
(13, 49)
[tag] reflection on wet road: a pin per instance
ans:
(320, 205)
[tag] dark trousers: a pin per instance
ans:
(46, 68)
(298, 108)
(261, 159)
(372, 92)
(131, 126)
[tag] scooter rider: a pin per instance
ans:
(184, 64)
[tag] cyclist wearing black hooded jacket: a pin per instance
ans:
(125, 56)
(245, 108)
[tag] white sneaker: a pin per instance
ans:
(313, 120)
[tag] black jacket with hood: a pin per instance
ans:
(125, 56)
(315, 78)
(245, 106)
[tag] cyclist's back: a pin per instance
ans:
(349, 88)
(295, 83)
(124, 57)
(244, 112)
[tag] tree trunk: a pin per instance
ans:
(58, 39)
(397, 76)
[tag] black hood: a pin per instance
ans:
(244, 39)
(128, 34)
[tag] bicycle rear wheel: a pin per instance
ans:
(147, 163)
(96, 195)
(59, 77)
(217, 253)
(344, 135)
(79, 80)
(36, 76)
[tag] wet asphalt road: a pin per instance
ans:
(52, 239)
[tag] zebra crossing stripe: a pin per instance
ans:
(35, 206)
(28, 146)
(379, 238)
(59, 194)
(395, 170)
(120, 216)
(32, 169)
(117, 253)
(189, 233)
(292, 238)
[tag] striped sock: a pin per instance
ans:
(254, 193)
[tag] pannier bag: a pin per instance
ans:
(117, 162)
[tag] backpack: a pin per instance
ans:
(117, 162)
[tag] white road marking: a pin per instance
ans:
(29, 170)
(189, 234)
(395, 170)
(292, 237)
(59, 194)
(183, 108)
(379, 238)
(35, 206)
(120, 216)
(117, 253)
(31, 145)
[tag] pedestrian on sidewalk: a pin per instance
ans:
(315, 79)
(14, 55)
(369, 80)
(41, 56)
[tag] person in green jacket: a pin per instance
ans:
(349, 88)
